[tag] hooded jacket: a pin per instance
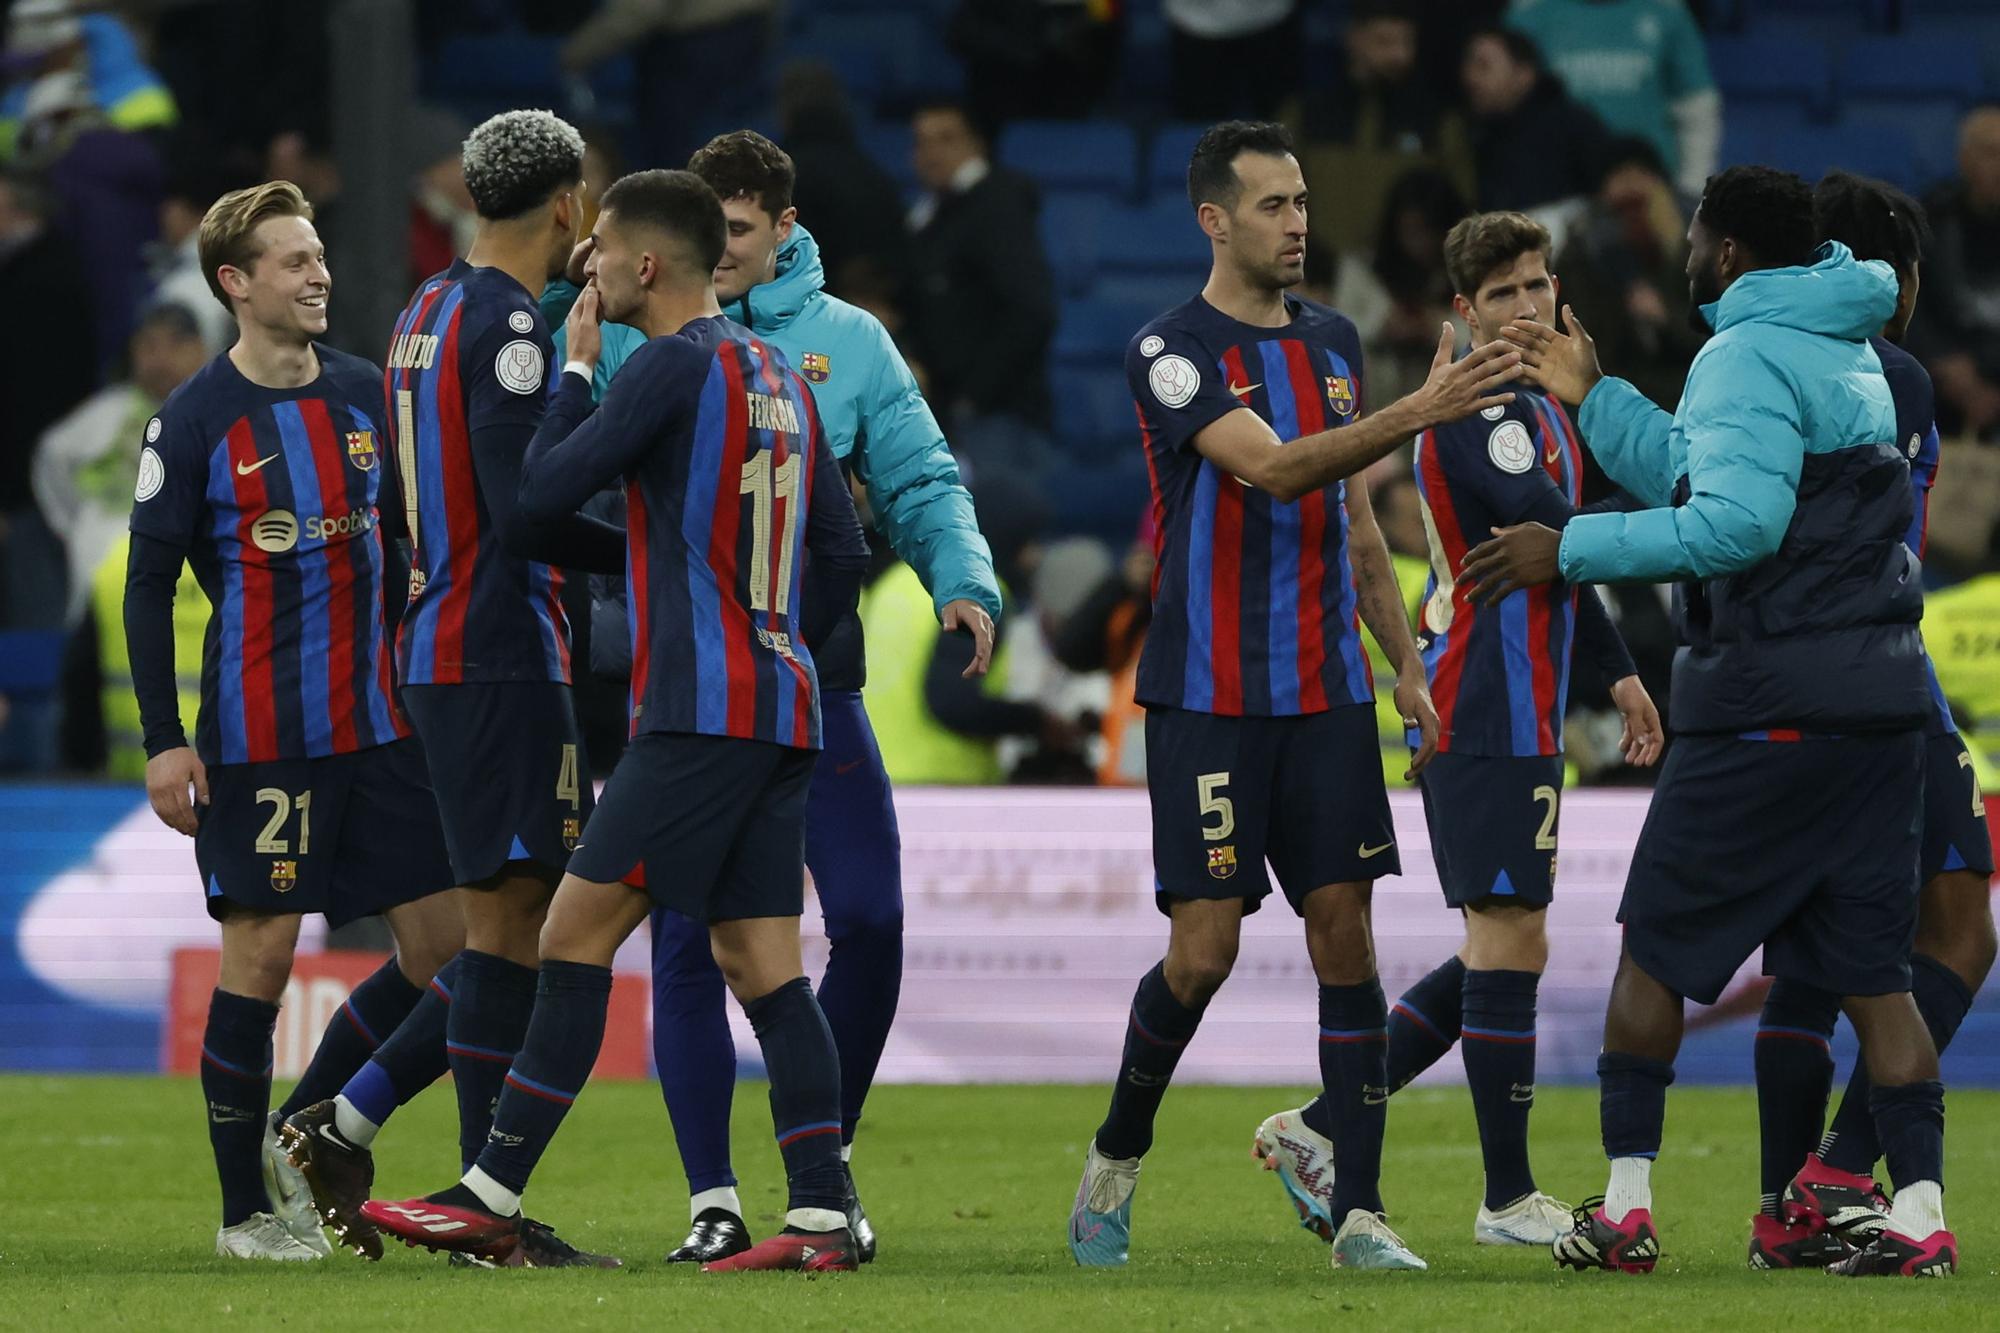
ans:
(1781, 502)
(876, 422)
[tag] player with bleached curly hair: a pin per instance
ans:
(482, 655)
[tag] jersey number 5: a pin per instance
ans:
(767, 486)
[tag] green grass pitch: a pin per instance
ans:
(107, 1218)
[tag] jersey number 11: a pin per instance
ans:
(767, 486)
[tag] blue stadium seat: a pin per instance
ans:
(1072, 225)
(1912, 69)
(1093, 407)
(1167, 160)
(888, 142)
(1156, 291)
(1075, 155)
(510, 68)
(1931, 126)
(31, 659)
(1883, 151)
(1093, 332)
(1764, 70)
(886, 59)
(1160, 239)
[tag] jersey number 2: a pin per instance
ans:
(766, 486)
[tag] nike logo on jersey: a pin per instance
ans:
(1244, 390)
(1367, 851)
(245, 469)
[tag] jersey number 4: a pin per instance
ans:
(767, 486)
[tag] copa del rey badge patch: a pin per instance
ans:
(1510, 447)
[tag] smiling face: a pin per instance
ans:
(751, 255)
(284, 288)
(1265, 231)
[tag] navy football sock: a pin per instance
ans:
(562, 1042)
(1632, 1104)
(805, 1092)
(1499, 1055)
(1910, 1123)
(1354, 1082)
(1850, 1143)
(1156, 1032)
(411, 1059)
(692, 1048)
(488, 1019)
(373, 1010)
(858, 994)
(1794, 1076)
(1424, 1023)
(236, 1083)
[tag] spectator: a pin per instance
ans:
(106, 184)
(1956, 331)
(42, 376)
(1537, 148)
(49, 39)
(1035, 57)
(1414, 293)
(701, 66)
(1641, 66)
(442, 216)
(87, 463)
(982, 302)
(175, 259)
(1233, 57)
(1624, 269)
(1374, 120)
(851, 202)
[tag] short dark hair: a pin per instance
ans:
(1767, 211)
(1872, 218)
(743, 164)
(515, 161)
(984, 127)
(1520, 47)
(1479, 246)
(678, 203)
(1629, 150)
(170, 316)
(1211, 176)
(1372, 11)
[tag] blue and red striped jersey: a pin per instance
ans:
(470, 351)
(1916, 431)
(271, 492)
(1499, 674)
(729, 483)
(1254, 605)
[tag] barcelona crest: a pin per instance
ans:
(1340, 394)
(572, 834)
(815, 367)
(1222, 861)
(361, 449)
(284, 876)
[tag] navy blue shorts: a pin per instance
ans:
(1493, 826)
(512, 779)
(1230, 793)
(1955, 835)
(712, 827)
(1808, 848)
(346, 836)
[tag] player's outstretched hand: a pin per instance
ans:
(1564, 364)
(170, 775)
(1517, 557)
(583, 331)
(1643, 738)
(1419, 714)
(573, 271)
(1456, 389)
(969, 617)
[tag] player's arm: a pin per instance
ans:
(173, 478)
(1242, 443)
(918, 502)
(836, 547)
(1745, 451)
(1382, 610)
(1599, 641)
(1625, 431)
(392, 527)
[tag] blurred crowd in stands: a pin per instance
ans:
(1001, 182)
